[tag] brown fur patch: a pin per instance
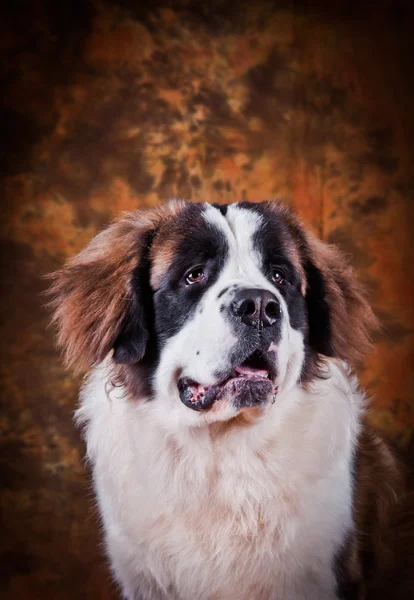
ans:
(352, 318)
(246, 417)
(382, 556)
(162, 255)
(296, 258)
(91, 293)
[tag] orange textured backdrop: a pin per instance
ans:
(113, 105)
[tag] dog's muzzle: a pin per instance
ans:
(249, 384)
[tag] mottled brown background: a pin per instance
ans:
(109, 106)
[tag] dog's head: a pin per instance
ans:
(210, 311)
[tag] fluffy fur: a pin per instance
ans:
(285, 494)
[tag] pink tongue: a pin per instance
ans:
(251, 371)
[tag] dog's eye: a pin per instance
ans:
(278, 276)
(194, 276)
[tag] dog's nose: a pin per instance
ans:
(256, 308)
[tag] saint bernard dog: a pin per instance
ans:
(226, 432)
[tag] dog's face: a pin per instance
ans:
(229, 311)
(214, 311)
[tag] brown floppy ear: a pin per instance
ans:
(101, 296)
(340, 317)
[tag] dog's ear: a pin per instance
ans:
(101, 297)
(340, 317)
(131, 341)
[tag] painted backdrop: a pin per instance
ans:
(113, 105)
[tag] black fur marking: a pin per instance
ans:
(318, 311)
(226, 289)
(311, 315)
(222, 208)
(201, 244)
(131, 343)
(154, 317)
(346, 587)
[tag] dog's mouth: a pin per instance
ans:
(248, 384)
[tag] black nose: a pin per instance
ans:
(256, 308)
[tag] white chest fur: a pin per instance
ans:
(254, 514)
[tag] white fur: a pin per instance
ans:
(256, 513)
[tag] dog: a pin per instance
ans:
(230, 451)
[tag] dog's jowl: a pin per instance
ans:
(226, 432)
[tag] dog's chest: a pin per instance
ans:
(226, 529)
(257, 516)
